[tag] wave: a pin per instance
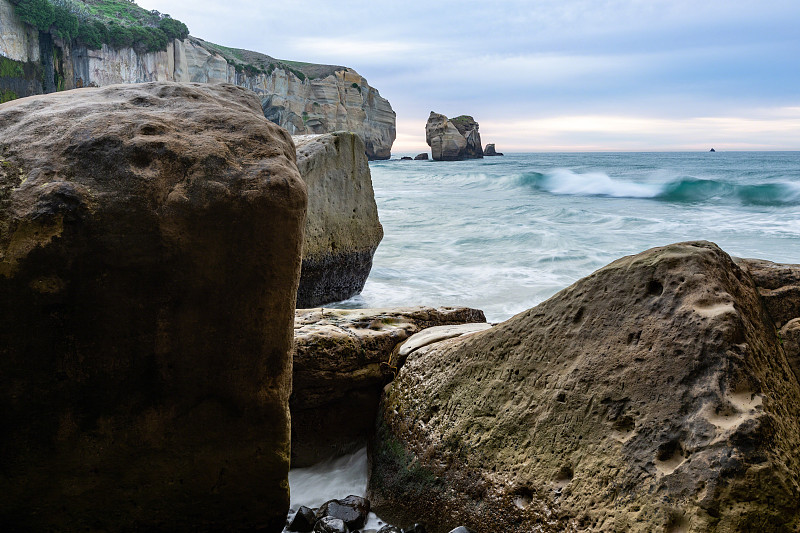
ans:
(679, 190)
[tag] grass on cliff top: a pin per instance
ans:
(93, 23)
(256, 62)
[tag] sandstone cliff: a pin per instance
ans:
(304, 98)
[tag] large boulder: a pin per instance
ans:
(150, 240)
(342, 227)
(490, 150)
(343, 359)
(652, 395)
(453, 140)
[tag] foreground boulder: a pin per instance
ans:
(453, 140)
(150, 242)
(652, 395)
(342, 227)
(343, 359)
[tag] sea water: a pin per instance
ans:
(505, 233)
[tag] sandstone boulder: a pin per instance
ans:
(150, 240)
(342, 228)
(343, 359)
(453, 140)
(652, 395)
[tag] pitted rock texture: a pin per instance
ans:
(342, 228)
(150, 240)
(652, 395)
(343, 359)
(453, 140)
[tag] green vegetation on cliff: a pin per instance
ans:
(117, 23)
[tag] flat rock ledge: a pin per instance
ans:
(652, 395)
(343, 358)
(342, 229)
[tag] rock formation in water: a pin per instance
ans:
(343, 358)
(453, 140)
(490, 151)
(421, 157)
(342, 227)
(304, 98)
(150, 240)
(653, 395)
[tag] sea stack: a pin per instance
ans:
(453, 139)
(491, 151)
(150, 240)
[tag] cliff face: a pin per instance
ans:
(304, 100)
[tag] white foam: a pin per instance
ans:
(565, 181)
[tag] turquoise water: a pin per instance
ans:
(503, 234)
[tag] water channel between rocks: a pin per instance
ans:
(332, 479)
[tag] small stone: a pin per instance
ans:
(406, 158)
(462, 529)
(353, 510)
(303, 521)
(390, 529)
(329, 524)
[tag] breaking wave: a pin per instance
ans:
(679, 190)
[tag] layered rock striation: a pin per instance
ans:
(342, 228)
(150, 241)
(453, 139)
(653, 395)
(304, 98)
(343, 359)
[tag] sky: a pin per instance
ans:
(547, 75)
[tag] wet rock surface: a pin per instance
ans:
(653, 395)
(353, 511)
(343, 359)
(149, 253)
(342, 229)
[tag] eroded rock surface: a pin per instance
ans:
(150, 240)
(342, 228)
(779, 286)
(453, 140)
(653, 395)
(343, 359)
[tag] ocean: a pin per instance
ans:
(505, 233)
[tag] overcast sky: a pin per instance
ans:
(547, 74)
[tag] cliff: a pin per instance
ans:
(304, 98)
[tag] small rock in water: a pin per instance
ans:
(303, 521)
(329, 524)
(353, 510)
(390, 529)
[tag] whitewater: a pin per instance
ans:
(505, 233)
